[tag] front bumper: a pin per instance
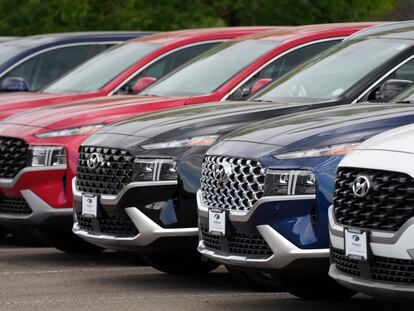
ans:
(372, 288)
(148, 230)
(284, 252)
(394, 248)
(42, 191)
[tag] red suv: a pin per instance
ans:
(40, 147)
(127, 68)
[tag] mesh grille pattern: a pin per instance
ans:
(14, 206)
(382, 269)
(240, 190)
(120, 225)
(343, 263)
(245, 244)
(393, 270)
(387, 206)
(14, 155)
(111, 176)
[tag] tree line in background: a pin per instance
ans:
(26, 17)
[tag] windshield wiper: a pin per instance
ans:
(405, 102)
(263, 101)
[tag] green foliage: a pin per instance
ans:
(25, 17)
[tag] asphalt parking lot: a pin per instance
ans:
(42, 278)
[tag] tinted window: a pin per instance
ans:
(213, 68)
(98, 71)
(334, 72)
(167, 64)
(281, 66)
(48, 66)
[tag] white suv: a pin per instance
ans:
(372, 217)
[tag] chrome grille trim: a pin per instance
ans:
(243, 187)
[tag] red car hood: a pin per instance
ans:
(91, 111)
(13, 103)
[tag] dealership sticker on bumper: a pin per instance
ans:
(217, 222)
(356, 244)
(90, 205)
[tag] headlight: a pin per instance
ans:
(154, 170)
(332, 150)
(75, 131)
(47, 156)
(198, 141)
(289, 182)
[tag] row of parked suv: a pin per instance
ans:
(248, 147)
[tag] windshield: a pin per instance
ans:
(213, 68)
(103, 68)
(9, 50)
(334, 72)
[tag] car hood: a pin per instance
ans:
(12, 103)
(315, 129)
(190, 121)
(399, 140)
(90, 111)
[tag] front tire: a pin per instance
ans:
(179, 264)
(255, 280)
(315, 288)
(68, 242)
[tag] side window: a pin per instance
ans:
(167, 64)
(405, 72)
(386, 94)
(279, 67)
(46, 67)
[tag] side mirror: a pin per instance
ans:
(391, 88)
(259, 84)
(14, 84)
(142, 83)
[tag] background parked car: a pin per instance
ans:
(127, 68)
(30, 63)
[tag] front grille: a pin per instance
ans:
(393, 270)
(344, 263)
(381, 269)
(14, 155)
(236, 243)
(14, 206)
(240, 190)
(119, 225)
(110, 177)
(387, 206)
